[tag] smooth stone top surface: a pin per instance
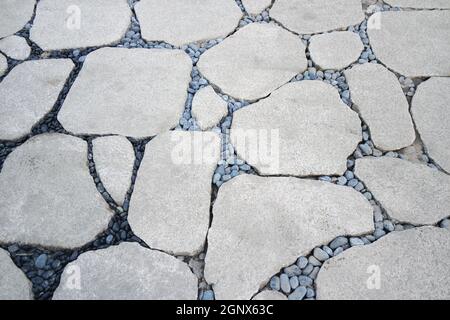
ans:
(410, 193)
(379, 98)
(28, 92)
(3, 64)
(208, 108)
(254, 61)
(127, 272)
(14, 285)
(48, 197)
(407, 265)
(392, 31)
(15, 47)
(335, 50)
(130, 92)
(263, 224)
(270, 295)
(14, 15)
(256, 6)
(428, 4)
(302, 129)
(170, 206)
(431, 112)
(114, 161)
(79, 23)
(181, 22)
(313, 16)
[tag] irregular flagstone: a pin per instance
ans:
(137, 92)
(14, 15)
(335, 50)
(429, 4)
(409, 192)
(270, 295)
(263, 224)
(127, 272)
(181, 22)
(313, 16)
(407, 265)
(379, 98)
(14, 285)
(29, 92)
(78, 24)
(426, 32)
(302, 129)
(256, 6)
(208, 108)
(430, 109)
(170, 205)
(48, 197)
(3, 64)
(15, 47)
(114, 161)
(254, 61)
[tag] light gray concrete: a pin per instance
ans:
(15, 47)
(14, 285)
(14, 15)
(208, 108)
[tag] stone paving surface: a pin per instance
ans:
(233, 149)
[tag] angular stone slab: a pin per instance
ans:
(181, 22)
(127, 272)
(424, 31)
(14, 15)
(379, 98)
(48, 197)
(114, 161)
(254, 61)
(410, 265)
(313, 16)
(335, 50)
(79, 24)
(301, 129)
(410, 193)
(29, 92)
(263, 224)
(14, 285)
(170, 205)
(208, 108)
(3, 64)
(15, 47)
(270, 295)
(430, 109)
(429, 4)
(137, 92)
(256, 6)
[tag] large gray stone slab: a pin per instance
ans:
(14, 285)
(429, 4)
(15, 47)
(137, 92)
(170, 206)
(262, 224)
(114, 161)
(48, 197)
(407, 265)
(335, 50)
(29, 92)
(409, 192)
(79, 23)
(313, 16)
(379, 98)
(127, 272)
(181, 22)
(424, 32)
(254, 61)
(256, 6)
(430, 109)
(14, 15)
(208, 108)
(302, 129)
